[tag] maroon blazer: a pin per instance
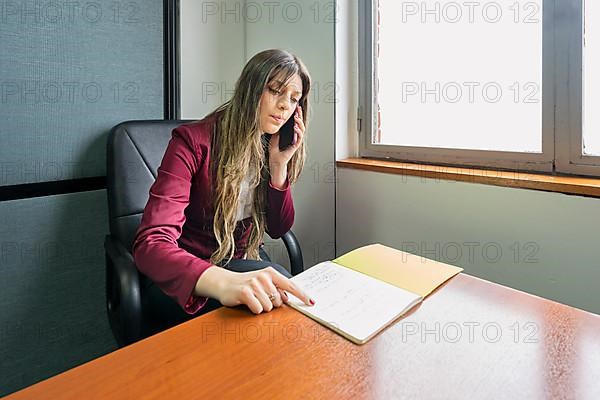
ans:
(174, 241)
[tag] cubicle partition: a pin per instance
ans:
(69, 71)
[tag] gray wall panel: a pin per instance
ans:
(52, 301)
(68, 73)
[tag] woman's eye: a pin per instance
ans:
(277, 92)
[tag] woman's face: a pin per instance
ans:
(276, 106)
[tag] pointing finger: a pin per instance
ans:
(285, 284)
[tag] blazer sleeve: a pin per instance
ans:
(280, 210)
(155, 249)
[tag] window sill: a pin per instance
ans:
(562, 184)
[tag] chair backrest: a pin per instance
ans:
(134, 152)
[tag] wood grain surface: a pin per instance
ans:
(469, 339)
(587, 186)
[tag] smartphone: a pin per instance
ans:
(286, 133)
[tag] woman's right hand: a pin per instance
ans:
(252, 288)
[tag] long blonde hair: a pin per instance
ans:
(238, 147)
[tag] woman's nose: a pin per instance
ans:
(284, 104)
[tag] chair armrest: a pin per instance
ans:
(123, 300)
(294, 252)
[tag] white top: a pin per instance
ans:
(246, 198)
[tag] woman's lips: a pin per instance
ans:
(277, 118)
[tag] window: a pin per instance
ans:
(497, 84)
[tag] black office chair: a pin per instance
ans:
(134, 152)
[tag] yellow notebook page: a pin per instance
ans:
(417, 274)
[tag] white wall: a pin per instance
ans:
(211, 55)
(558, 254)
(217, 50)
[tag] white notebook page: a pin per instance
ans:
(355, 304)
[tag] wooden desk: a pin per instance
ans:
(471, 339)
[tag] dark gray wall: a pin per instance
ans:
(68, 73)
(65, 81)
(52, 302)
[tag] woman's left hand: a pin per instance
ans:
(279, 159)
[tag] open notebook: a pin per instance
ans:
(363, 291)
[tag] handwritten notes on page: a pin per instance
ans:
(351, 303)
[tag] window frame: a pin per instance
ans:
(569, 102)
(562, 28)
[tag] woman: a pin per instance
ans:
(222, 183)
